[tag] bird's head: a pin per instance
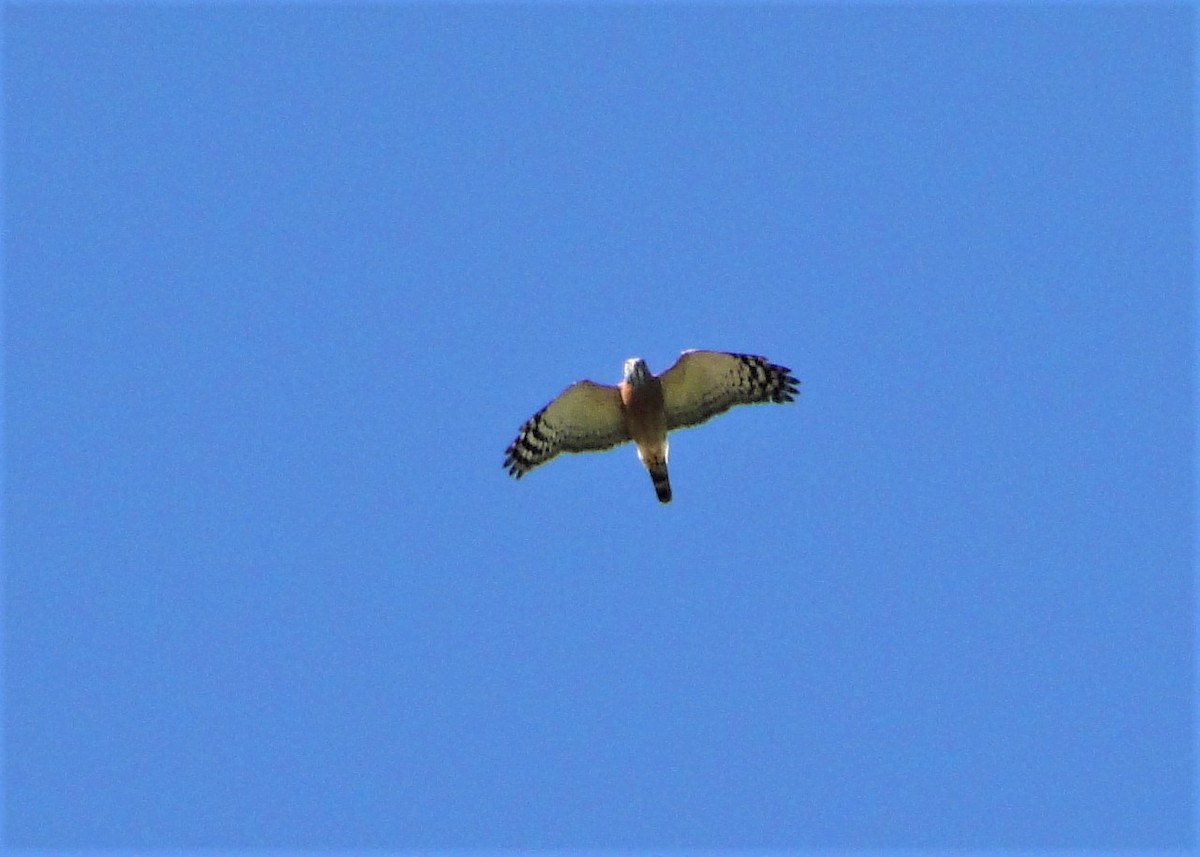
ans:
(636, 371)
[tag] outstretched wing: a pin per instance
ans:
(585, 417)
(703, 384)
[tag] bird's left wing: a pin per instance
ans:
(703, 384)
(586, 417)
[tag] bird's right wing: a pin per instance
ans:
(586, 417)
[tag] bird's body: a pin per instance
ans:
(643, 407)
(642, 399)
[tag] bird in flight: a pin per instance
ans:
(588, 417)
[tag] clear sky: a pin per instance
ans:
(282, 281)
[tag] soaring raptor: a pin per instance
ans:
(587, 417)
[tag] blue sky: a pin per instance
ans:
(282, 281)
